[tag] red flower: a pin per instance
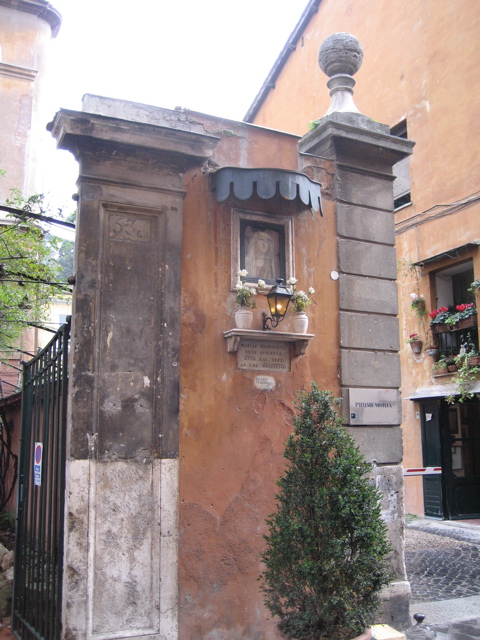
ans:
(462, 307)
(433, 314)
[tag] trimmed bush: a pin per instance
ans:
(326, 555)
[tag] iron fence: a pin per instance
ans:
(40, 513)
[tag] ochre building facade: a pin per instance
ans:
(178, 419)
(421, 64)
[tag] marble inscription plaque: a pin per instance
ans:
(259, 355)
(374, 406)
(264, 383)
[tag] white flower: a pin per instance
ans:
(300, 294)
(261, 284)
(413, 296)
(243, 273)
(311, 291)
(292, 281)
(252, 291)
(239, 286)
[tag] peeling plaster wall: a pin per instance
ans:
(155, 392)
(232, 435)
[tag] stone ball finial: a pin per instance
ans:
(340, 53)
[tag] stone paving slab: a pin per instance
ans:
(467, 630)
(443, 614)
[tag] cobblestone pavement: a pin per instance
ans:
(443, 567)
(442, 573)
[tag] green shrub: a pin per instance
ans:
(326, 556)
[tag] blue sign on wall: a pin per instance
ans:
(37, 464)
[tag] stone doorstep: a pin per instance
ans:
(385, 632)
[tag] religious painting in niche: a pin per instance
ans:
(262, 251)
(261, 243)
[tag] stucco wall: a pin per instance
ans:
(232, 435)
(155, 393)
(420, 63)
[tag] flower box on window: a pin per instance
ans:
(466, 323)
(444, 319)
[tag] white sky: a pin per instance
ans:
(210, 56)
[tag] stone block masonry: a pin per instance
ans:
(363, 154)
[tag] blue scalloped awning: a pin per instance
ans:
(267, 182)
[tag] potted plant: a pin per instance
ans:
(463, 377)
(469, 350)
(451, 363)
(300, 301)
(475, 286)
(415, 343)
(473, 358)
(245, 301)
(431, 347)
(431, 350)
(418, 305)
(438, 318)
(326, 556)
(440, 367)
(460, 316)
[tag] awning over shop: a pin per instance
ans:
(456, 252)
(440, 391)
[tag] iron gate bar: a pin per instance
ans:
(40, 514)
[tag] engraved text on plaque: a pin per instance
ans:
(259, 355)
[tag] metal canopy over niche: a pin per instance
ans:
(267, 182)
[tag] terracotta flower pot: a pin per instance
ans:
(473, 361)
(452, 368)
(416, 346)
(440, 371)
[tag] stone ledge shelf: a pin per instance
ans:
(300, 340)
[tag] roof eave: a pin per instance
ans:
(310, 10)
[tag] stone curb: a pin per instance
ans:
(447, 528)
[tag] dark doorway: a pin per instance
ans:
(462, 459)
(433, 485)
(451, 440)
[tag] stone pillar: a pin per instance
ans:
(120, 571)
(364, 153)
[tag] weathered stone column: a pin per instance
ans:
(364, 153)
(120, 573)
